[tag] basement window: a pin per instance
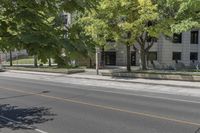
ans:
(176, 56)
(193, 56)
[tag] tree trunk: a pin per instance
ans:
(102, 57)
(11, 59)
(90, 63)
(128, 64)
(143, 59)
(50, 62)
(35, 61)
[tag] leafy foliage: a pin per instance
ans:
(184, 14)
(140, 21)
(32, 25)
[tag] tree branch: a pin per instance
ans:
(150, 45)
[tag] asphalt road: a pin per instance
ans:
(34, 106)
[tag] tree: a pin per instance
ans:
(148, 28)
(33, 24)
(97, 29)
(184, 13)
(125, 22)
(104, 24)
(84, 46)
(9, 40)
(139, 23)
(163, 18)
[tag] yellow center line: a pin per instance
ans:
(108, 108)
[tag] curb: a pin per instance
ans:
(45, 72)
(156, 76)
(183, 86)
(2, 70)
(35, 73)
(124, 81)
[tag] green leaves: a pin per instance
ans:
(80, 5)
(185, 14)
(95, 27)
(33, 25)
(184, 25)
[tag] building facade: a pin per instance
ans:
(183, 48)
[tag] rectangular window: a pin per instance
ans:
(152, 56)
(193, 56)
(65, 19)
(194, 37)
(176, 56)
(177, 38)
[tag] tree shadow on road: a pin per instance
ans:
(24, 95)
(15, 118)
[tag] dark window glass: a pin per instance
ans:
(176, 56)
(194, 37)
(152, 56)
(177, 38)
(193, 56)
(110, 58)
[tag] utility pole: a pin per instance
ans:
(0, 61)
(97, 60)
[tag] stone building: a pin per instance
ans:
(183, 48)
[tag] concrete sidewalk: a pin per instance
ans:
(121, 85)
(90, 75)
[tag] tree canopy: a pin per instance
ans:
(38, 25)
(140, 22)
(33, 25)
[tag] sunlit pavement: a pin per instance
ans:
(39, 103)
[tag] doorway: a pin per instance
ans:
(110, 58)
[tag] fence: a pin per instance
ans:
(19, 58)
